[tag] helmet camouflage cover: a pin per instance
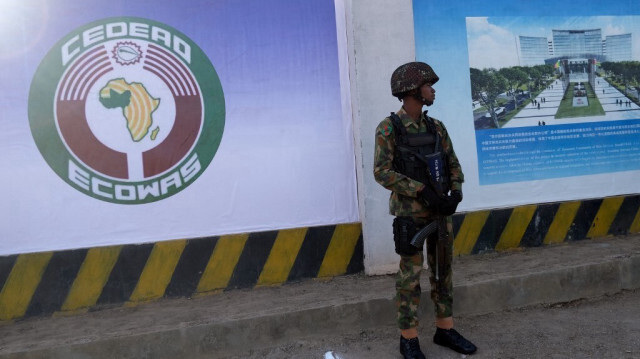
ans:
(411, 76)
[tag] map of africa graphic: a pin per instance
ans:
(136, 103)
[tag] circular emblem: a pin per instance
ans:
(127, 110)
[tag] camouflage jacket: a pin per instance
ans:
(404, 190)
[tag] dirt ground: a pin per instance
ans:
(309, 319)
(605, 327)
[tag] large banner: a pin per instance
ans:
(130, 122)
(541, 108)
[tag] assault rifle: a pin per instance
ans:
(418, 239)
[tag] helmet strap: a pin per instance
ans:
(419, 97)
(415, 93)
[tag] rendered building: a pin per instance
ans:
(577, 43)
(533, 50)
(574, 44)
(618, 48)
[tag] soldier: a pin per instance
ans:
(414, 159)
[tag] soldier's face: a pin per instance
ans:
(428, 93)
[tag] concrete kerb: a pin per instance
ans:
(230, 323)
(630, 277)
(565, 285)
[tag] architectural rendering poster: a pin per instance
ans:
(130, 122)
(552, 102)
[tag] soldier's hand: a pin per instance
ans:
(450, 204)
(430, 197)
(456, 195)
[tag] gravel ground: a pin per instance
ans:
(605, 327)
(309, 319)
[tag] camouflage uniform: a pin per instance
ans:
(404, 201)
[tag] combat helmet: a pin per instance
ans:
(411, 76)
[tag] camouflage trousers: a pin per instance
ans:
(408, 289)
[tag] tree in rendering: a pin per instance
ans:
(486, 86)
(515, 77)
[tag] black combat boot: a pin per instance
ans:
(451, 339)
(410, 348)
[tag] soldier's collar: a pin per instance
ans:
(407, 120)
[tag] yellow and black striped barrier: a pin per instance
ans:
(540, 224)
(64, 282)
(67, 282)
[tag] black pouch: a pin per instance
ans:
(404, 228)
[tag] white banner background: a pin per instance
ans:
(286, 158)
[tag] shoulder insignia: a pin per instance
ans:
(386, 129)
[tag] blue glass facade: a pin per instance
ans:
(618, 48)
(577, 43)
(572, 44)
(533, 50)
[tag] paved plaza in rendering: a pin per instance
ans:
(531, 115)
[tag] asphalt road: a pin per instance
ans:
(605, 327)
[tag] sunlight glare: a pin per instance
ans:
(22, 23)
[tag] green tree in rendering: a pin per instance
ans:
(486, 86)
(515, 77)
(627, 73)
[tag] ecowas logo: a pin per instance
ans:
(127, 110)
